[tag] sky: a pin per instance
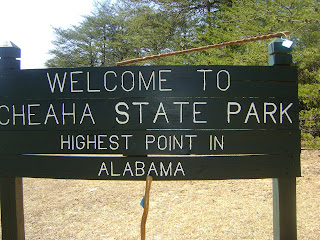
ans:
(28, 24)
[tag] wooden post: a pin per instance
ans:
(11, 189)
(284, 209)
(284, 189)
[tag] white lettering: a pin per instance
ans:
(127, 168)
(152, 168)
(140, 108)
(204, 77)
(163, 80)
(179, 168)
(165, 142)
(62, 141)
(112, 173)
(270, 113)
(151, 79)
(252, 112)
(32, 114)
(215, 141)
(14, 115)
(195, 112)
(122, 112)
(114, 145)
(105, 81)
(93, 141)
(161, 112)
(57, 79)
(148, 141)
(73, 113)
(73, 82)
(80, 142)
(8, 119)
(101, 142)
(181, 109)
(284, 111)
(127, 140)
(88, 85)
(139, 170)
(87, 113)
(51, 113)
(103, 167)
(229, 112)
(228, 80)
(163, 171)
(123, 79)
(190, 140)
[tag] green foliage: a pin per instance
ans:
(308, 141)
(117, 32)
(309, 96)
(86, 44)
(193, 8)
(246, 18)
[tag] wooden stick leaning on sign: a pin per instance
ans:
(252, 39)
(146, 208)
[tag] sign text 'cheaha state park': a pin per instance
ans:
(172, 122)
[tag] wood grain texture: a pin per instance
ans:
(248, 115)
(181, 142)
(161, 168)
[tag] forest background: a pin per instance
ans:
(126, 29)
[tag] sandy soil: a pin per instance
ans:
(228, 209)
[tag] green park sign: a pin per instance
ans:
(171, 122)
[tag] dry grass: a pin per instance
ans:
(230, 209)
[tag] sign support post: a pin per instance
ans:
(11, 188)
(284, 208)
(284, 188)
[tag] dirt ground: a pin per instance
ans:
(228, 209)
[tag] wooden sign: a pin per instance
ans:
(192, 122)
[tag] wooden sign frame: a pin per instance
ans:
(193, 122)
(270, 121)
